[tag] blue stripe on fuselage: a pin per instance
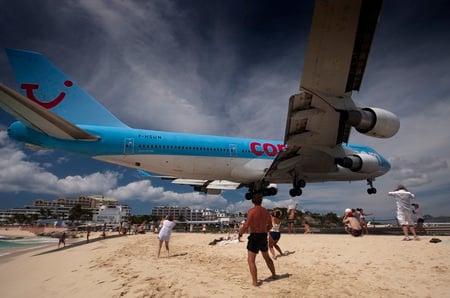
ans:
(117, 140)
(114, 140)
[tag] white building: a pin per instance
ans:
(112, 214)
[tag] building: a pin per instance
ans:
(60, 208)
(190, 216)
(112, 214)
(178, 213)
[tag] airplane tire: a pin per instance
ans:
(295, 192)
(300, 183)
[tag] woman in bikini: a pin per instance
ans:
(274, 234)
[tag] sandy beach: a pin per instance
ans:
(315, 266)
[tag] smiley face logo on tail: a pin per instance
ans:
(48, 105)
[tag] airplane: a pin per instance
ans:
(53, 112)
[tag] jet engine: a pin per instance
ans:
(362, 163)
(374, 122)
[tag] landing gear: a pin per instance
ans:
(371, 190)
(296, 191)
(265, 191)
(249, 195)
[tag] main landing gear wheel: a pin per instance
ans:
(270, 191)
(371, 190)
(296, 191)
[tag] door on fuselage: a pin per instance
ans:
(128, 146)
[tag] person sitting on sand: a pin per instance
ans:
(354, 227)
(140, 229)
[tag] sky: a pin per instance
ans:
(227, 68)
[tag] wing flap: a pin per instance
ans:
(38, 118)
(208, 184)
(223, 184)
(193, 182)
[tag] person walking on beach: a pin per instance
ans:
(104, 230)
(88, 233)
(292, 210)
(306, 226)
(165, 232)
(404, 215)
(420, 218)
(275, 234)
(62, 239)
(258, 223)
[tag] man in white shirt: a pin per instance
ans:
(404, 215)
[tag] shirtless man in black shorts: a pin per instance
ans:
(258, 223)
(292, 210)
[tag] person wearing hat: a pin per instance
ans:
(354, 228)
(404, 215)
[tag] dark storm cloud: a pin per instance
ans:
(229, 68)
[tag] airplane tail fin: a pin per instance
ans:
(42, 82)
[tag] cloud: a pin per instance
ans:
(144, 191)
(17, 174)
(229, 70)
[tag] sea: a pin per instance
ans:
(10, 245)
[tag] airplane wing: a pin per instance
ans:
(209, 186)
(206, 186)
(336, 56)
(39, 118)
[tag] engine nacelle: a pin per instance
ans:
(362, 163)
(374, 122)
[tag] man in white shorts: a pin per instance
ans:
(404, 215)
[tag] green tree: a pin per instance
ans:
(78, 213)
(21, 219)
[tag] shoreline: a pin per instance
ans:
(315, 265)
(12, 234)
